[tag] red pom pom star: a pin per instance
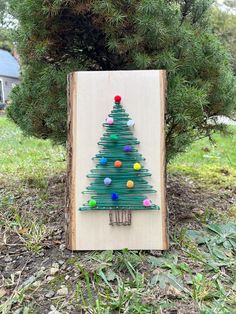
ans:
(117, 99)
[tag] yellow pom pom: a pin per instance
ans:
(137, 166)
(130, 184)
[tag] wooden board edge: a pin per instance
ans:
(163, 93)
(70, 210)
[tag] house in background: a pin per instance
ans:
(9, 74)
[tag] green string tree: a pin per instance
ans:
(118, 181)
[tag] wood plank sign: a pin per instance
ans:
(116, 161)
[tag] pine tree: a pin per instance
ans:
(3, 5)
(56, 37)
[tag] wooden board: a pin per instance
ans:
(90, 100)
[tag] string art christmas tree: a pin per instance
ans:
(118, 181)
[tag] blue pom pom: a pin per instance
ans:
(114, 196)
(103, 161)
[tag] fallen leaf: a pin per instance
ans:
(2, 292)
(57, 242)
(22, 231)
(172, 291)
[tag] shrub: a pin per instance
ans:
(56, 37)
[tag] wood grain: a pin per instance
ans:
(90, 96)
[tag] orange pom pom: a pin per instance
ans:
(130, 184)
(117, 163)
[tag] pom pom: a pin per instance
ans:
(127, 148)
(92, 203)
(147, 203)
(103, 161)
(118, 164)
(130, 184)
(114, 196)
(110, 120)
(130, 123)
(117, 99)
(107, 181)
(137, 166)
(114, 137)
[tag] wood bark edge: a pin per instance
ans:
(70, 221)
(165, 222)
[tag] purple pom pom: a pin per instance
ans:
(127, 148)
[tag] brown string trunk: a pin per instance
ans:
(120, 217)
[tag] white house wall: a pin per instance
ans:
(8, 83)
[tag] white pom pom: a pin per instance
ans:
(130, 123)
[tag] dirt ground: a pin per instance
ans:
(20, 267)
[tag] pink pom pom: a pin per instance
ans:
(147, 203)
(109, 120)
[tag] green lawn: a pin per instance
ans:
(31, 159)
(210, 163)
(27, 158)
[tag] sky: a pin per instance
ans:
(223, 7)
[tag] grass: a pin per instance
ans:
(26, 164)
(33, 160)
(27, 158)
(210, 163)
(197, 275)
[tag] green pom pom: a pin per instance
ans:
(114, 137)
(92, 203)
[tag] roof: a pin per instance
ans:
(8, 65)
